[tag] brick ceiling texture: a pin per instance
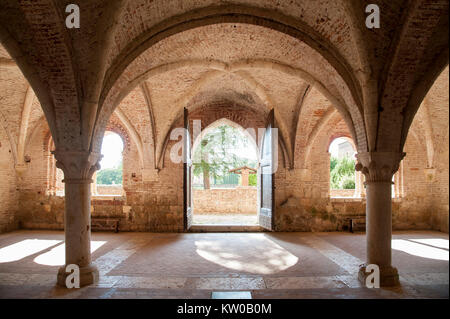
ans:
(311, 61)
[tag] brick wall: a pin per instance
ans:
(440, 187)
(8, 193)
(109, 190)
(230, 200)
(302, 194)
(342, 192)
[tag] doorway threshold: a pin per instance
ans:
(215, 228)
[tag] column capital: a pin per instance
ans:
(78, 166)
(378, 166)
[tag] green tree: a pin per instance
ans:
(342, 173)
(109, 176)
(348, 182)
(333, 162)
(216, 154)
(252, 180)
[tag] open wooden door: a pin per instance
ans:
(268, 166)
(187, 176)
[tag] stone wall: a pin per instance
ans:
(153, 199)
(8, 192)
(241, 200)
(342, 192)
(237, 70)
(109, 190)
(440, 187)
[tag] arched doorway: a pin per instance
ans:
(225, 165)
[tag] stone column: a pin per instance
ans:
(378, 169)
(78, 168)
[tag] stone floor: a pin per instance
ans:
(193, 265)
(225, 219)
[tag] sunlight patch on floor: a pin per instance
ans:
(415, 248)
(266, 258)
(436, 242)
(56, 256)
(24, 249)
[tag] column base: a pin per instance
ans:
(88, 275)
(388, 276)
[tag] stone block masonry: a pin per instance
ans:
(242, 200)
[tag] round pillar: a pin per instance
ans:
(378, 168)
(77, 231)
(78, 168)
(379, 223)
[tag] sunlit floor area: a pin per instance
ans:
(225, 219)
(193, 265)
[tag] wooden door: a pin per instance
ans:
(187, 176)
(267, 171)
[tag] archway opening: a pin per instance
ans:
(225, 166)
(342, 168)
(109, 179)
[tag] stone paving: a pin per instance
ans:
(225, 219)
(193, 265)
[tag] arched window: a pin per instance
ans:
(108, 180)
(342, 167)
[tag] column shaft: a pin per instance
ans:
(77, 223)
(378, 223)
(378, 168)
(78, 168)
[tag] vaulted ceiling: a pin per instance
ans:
(149, 59)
